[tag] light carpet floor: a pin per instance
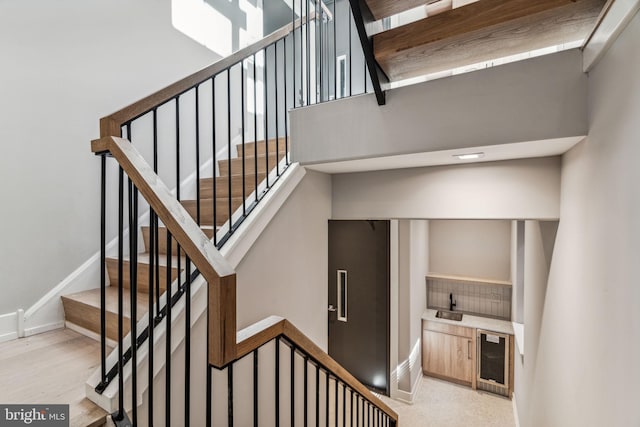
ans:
(443, 404)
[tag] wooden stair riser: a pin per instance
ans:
(206, 209)
(162, 240)
(143, 274)
(262, 147)
(249, 166)
(90, 317)
(222, 185)
(83, 309)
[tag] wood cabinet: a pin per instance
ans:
(449, 352)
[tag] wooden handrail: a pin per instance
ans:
(111, 124)
(260, 333)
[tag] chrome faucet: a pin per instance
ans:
(452, 303)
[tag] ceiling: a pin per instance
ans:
(492, 153)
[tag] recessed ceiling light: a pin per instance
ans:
(469, 156)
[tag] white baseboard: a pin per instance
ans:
(8, 327)
(409, 397)
(515, 409)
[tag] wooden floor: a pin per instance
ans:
(51, 368)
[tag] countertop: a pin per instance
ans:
(470, 321)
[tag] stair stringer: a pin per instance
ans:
(234, 251)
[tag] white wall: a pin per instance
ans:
(473, 248)
(538, 249)
(587, 370)
(528, 188)
(418, 269)
(285, 272)
(536, 99)
(68, 63)
(413, 265)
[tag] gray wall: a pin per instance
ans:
(68, 63)
(538, 250)
(587, 370)
(528, 188)
(536, 99)
(471, 248)
(413, 260)
(285, 272)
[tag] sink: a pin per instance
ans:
(449, 315)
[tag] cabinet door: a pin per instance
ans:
(447, 355)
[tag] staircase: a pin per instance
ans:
(82, 309)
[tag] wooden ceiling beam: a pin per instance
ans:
(481, 31)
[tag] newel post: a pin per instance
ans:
(222, 320)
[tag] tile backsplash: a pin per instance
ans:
(475, 298)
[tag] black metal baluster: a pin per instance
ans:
(230, 395)
(178, 249)
(277, 381)
(302, 60)
(103, 264)
(255, 128)
(326, 398)
(351, 407)
(133, 288)
(230, 172)
(365, 75)
(308, 45)
(317, 396)
(335, 54)
(306, 392)
(344, 405)
(316, 50)
(153, 230)
(255, 388)
(244, 157)
(167, 295)
(293, 386)
(336, 402)
(293, 38)
(209, 390)
(275, 75)
(120, 414)
(350, 72)
(286, 110)
(213, 176)
(187, 344)
(266, 111)
(197, 130)
(320, 22)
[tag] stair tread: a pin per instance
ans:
(478, 32)
(91, 298)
